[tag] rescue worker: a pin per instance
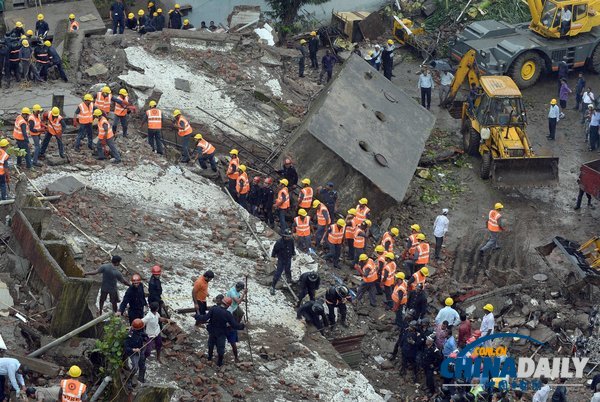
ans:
(495, 225)
(83, 118)
(175, 17)
(73, 25)
(141, 22)
(155, 290)
(323, 221)
(305, 198)
(337, 296)
(36, 129)
(360, 238)
(4, 168)
(206, 152)
(301, 228)
(282, 203)
(29, 34)
(43, 394)
(335, 237)
(110, 276)
(154, 118)
(200, 293)
(18, 30)
(367, 269)
(232, 333)
(380, 253)
(103, 100)
(448, 314)
(313, 48)
(417, 302)
(242, 187)
(41, 27)
(553, 118)
(131, 22)
(152, 321)
(105, 138)
(13, 369)
(411, 241)
(283, 250)
(387, 59)
(327, 63)
(313, 312)
(267, 198)
(309, 283)
(135, 350)
(289, 173)
(409, 351)
(21, 135)
(303, 53)
(159, 22)
(388, 240)
(134, 300)
(420, 257)
(431, 359)
(121, 110)
(28, 69)
(42, 59)
(186, 25)
(349, 233)
(71, 389)
(184, 131)
(362, 210)
(254, 195)
(117, 16)
(399, 297)
(328, 196)
(238, 295)
(56, 61)
(487, 323)
(151, 8)
(377, 57)
(4, 63)
(388, 278)
(233, 172)
(418, 278)
(54, 129)
(14, 61)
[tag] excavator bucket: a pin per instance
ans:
(525, 172)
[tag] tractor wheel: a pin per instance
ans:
(471, 140)
(486, 165)
(595, 64)
(526, 69)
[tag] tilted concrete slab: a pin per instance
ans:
(359, 118)
(16, 98)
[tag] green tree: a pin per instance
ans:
(112, 350)
(286, 11)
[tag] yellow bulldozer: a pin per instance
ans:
(494, 124)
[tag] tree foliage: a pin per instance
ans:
(286, 11)
(111, 346)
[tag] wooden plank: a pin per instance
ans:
(37, 365)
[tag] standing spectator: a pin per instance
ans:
(175, 18)
(283, 250)
(135, 299)
(579, 88)
(377, 57)
(449, 344)
(200, 293)
(212, 27)
(587, 99)
(237, 294)
(110, 276)
(560, 393)
(448, 314)
(440, 228)
(594, 123)
(543, 393)
(301, 60)
(425, 85)
(431, 359)
(446, 79)
(464, 330)
(327, 62)
(580, 197)
(117, 16)
(563, 73)
(313, 48)
(155, 290)
(565, 91)
(553, 118)
(441, 333)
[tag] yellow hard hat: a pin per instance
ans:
(302, 212)
(448, 301)
(416, 227)
(390, 42)
(159, 10)
(395, 231)
(285, 182)
(37, 108)
(55, 111)
(425, 271)
(141, 12)
(19, 24)
(363, 257)
(155, 14)
(391, 256)
(242, 168)
(177, 112)
(40, 17)
(553, 102)
(106, 90)
(379, 248)
(74, 371)
(150, 4)
(88, 97)
(352, 211)
(306, 181)
(186, 21)
(198, 137)
(498, 206)
(123, 92)
(25, 110)
(152, 103)
(370, 53)
(400, 275)
(177, 6)
(302, 41)
(341, 222)
(421, 236)
(368, 222)
(71, 16)
(316, 203)
(4, 143)
(363, 201)
(313, 33)
(47, 43)
(25, 43)
(23, 37)
(488, 307)
(233, 152)
(29, 32)
(97, 112)
(130, 16)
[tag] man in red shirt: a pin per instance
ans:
(464, 330)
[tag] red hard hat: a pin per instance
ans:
(256, 179)
(156, 270)
(137, 323)
(227, 301)
(136, 278)
(268, 180)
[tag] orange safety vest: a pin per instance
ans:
(361, 214)
(103, 103)
(387, 237)
(241, 185)
(104, 134)
(232, 169)
(493, 218)
(3, 158)
(400, 286)
(74, 26)
(423, 249)
(307, 196)
(350, 229)
(390, 268)
(372, 276)
(381, 261)
(283, 199)
(17, 132)
(336, 236)
(72, 390)
(119, 109)
(419, 278)
(186, 130)
(302, 226)
(37, 124)
(206, 147)
(359, 241)
(85, 115)
(55, 125)
(154, 119)
(321, 221)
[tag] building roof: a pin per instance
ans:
(499, 85)
(363, 118)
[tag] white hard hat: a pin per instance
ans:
(445, 210)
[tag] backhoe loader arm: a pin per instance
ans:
(535, 8)
(467, 70)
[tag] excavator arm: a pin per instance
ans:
(467, 70)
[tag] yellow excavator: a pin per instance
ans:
(494, 124)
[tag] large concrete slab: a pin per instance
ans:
(11, 105)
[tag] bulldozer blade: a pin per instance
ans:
(525, 172)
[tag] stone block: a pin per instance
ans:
(65, 185)
(96, 70)
(18, 266)
(182, 85)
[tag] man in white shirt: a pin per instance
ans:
(565, 20)
(487, 323)
(426, 85)
(587, 98)
(448, 314)
(553, 118)
(543, 393)
(596, 396)
(440, 227)
(152, 319)
(12, 369)
(446, 79)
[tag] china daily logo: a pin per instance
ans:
(477, 360)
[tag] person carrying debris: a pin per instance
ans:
(175, 18)
(388, 275)
(110, 276)
(313, 312)
(337, 296)
(242, 187)
(21, 135)
(218, 321)
(495, 225)
(55, 128)
(323, 221)
(135, 351)
(309, 283)
(283, 250)
(105, 138)
(122, 106)
(335, 237)
(301, 226)
(367, 269)
(4, 169)
(233, 172)
(206, 153)
(267, 197)
(313, 48)
(301, 60)
(200, 293)
(135, 299)
(71, 389)
(153, 117)
(282, 203)
(83, 118)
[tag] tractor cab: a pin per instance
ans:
(500, 104)
(547, 20)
